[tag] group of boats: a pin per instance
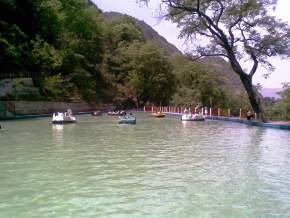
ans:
(67, 117)
(186, 116)
(124, 118)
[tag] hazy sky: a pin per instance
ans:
(168, 30)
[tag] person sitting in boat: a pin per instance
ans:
(69, 112)
(205, 111)
(124, 114)
(196, 109)
(250, 115)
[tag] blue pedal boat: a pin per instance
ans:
(127, 120)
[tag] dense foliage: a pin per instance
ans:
(49, 38)
(279, 109)
(72, 53)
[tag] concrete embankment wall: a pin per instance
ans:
(10, 109)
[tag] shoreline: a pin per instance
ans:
(273, 125)
(11, 110)
(32, 116)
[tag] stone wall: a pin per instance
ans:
(21, 108)
(18, 88)
(43, 107)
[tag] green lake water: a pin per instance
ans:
(157, 168)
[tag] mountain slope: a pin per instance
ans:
(149, 33)
(223, 68)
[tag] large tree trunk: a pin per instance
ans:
(255, 99)
(138, 102)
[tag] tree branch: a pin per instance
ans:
(215, 31)
(251, 52)
(195, 58)
(255, 66)
(221, 11)
(231, 29)
(199, 13)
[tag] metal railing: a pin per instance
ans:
(239, 113)
(13, 75)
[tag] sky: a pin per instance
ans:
(151, 15)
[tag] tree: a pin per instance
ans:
(147, 73)
(16, 26)
(136, 82)
(197, 84)
(124, 30)
(235, 30)
(45, 56)
(51, 87)
(283, 105)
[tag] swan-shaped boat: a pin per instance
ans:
(63, 118)
(188, 116)
(192, 117)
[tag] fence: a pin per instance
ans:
(13, 75)
(225, 112)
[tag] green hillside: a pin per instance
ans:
(149, 33)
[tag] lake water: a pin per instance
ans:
(157, 168)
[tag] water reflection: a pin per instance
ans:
(57, 127)
(260, 166)
(57, 133)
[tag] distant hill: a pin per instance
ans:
(149, 33)
(271, 92)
